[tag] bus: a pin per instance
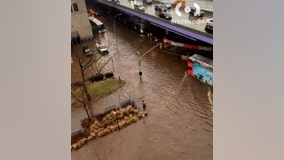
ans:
(201, 68)
(97, 26)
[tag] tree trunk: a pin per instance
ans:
(87, 112)
(89, 98)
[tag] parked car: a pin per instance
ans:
(147, 1)
(139, 7)
(115, 1)
(209, 26)
(165, 15)
(102, 48)
(87, 51)
(160, 8)
(193, 10)
(166, 4)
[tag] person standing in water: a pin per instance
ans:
(144, 105)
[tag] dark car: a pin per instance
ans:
(147, 1)
(139, 7)
(140, 28)
(165, 15)
(193, 10)
(87, 51)
(115, 1)
(166, 4)
(160, 8)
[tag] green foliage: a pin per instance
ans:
(102, 88)
(97, 77)
(109, 75)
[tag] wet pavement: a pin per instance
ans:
(180, 121)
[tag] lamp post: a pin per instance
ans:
(140, 72)
(112, 65)
(114, 31)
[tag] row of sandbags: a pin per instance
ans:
(111, 122)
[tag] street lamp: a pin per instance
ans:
(112, 65)
(114, 31)
(140, 72)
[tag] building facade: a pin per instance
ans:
(81, 29)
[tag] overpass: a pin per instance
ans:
(194, 33)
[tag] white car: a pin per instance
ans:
(101, 31)
(209, 26)
(102, 48)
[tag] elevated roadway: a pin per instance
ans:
(184, 25)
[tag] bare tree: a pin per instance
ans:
(89, 63)
(82, 99)
(84, 63)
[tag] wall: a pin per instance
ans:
(80, 21)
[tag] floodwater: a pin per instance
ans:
(180, 121)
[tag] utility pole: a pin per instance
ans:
(112, 65)
(114, 32)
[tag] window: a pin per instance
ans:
(75, 7)
(71, 9)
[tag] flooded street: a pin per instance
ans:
(180, 121)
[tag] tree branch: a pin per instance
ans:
(91, 62)
(77, 56)
(99, 70)
(77, 98)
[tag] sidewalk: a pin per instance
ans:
(99, 107)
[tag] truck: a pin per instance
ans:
(182, 2)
